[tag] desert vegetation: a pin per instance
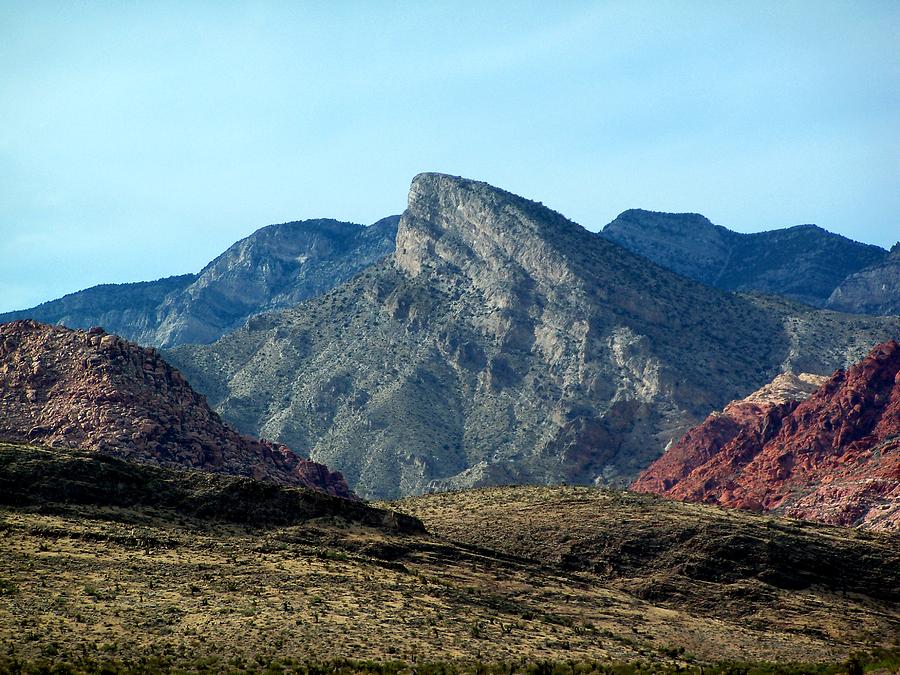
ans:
(88, 582)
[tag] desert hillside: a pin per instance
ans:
(110, 564)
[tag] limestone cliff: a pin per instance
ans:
(503, 343)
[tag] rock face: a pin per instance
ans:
(833, 457)
(275, 267)
(804, 263)
(873, 290)
(95, 391)
(503, 343)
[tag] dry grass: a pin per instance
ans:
(92, 583)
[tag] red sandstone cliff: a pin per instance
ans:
(834, 457)
(94, 391)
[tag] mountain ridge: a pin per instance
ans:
(804, 262)
(832, 455)
(872, 290)
(275, 266)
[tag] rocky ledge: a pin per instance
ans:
(95, 391)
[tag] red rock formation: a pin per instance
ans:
(94, 391)
(834, 457)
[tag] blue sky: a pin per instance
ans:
(139, 140)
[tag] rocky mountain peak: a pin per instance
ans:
(489, 235)
(804, 262)
(503, 343)
(277, 266)
(687, 243)
(95, 391)
(674, 223)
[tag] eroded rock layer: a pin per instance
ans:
(833, 457)
(95, 391)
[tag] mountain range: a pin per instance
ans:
(805, 263)
(280, 265)
(276, 266)
(483, 338)
(502, 343)
(478, 339)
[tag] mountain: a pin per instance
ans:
(98, 392)
(872, 290)
(276, 266)
(123, 309)
(833, 457)
(502, 343)
(804, 263)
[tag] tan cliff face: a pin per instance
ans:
(787, 387)
(830, 453)
(503, 343)
(95, 391)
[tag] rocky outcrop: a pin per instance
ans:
(275, 267)
(873, 290)
(804, 263)
(503, 343)
(95, 391)
(833, 457)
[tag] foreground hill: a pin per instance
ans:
(186, 571)
(805, 262)
(502, 343)
(834, 457)
(873, 290)
(276, 266)
(98, 392)
(672, 553)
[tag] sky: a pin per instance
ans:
(139, 140)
